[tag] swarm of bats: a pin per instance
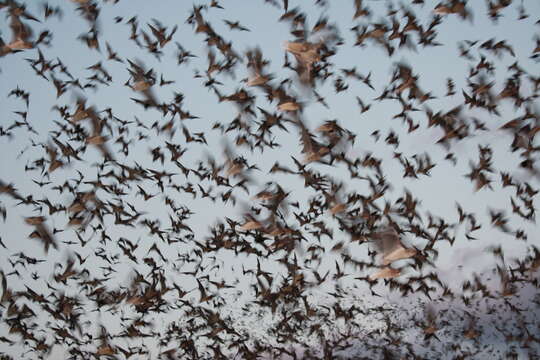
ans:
(156, 277)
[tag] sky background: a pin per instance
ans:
(438, 193)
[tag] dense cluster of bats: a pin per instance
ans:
(112, 190)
